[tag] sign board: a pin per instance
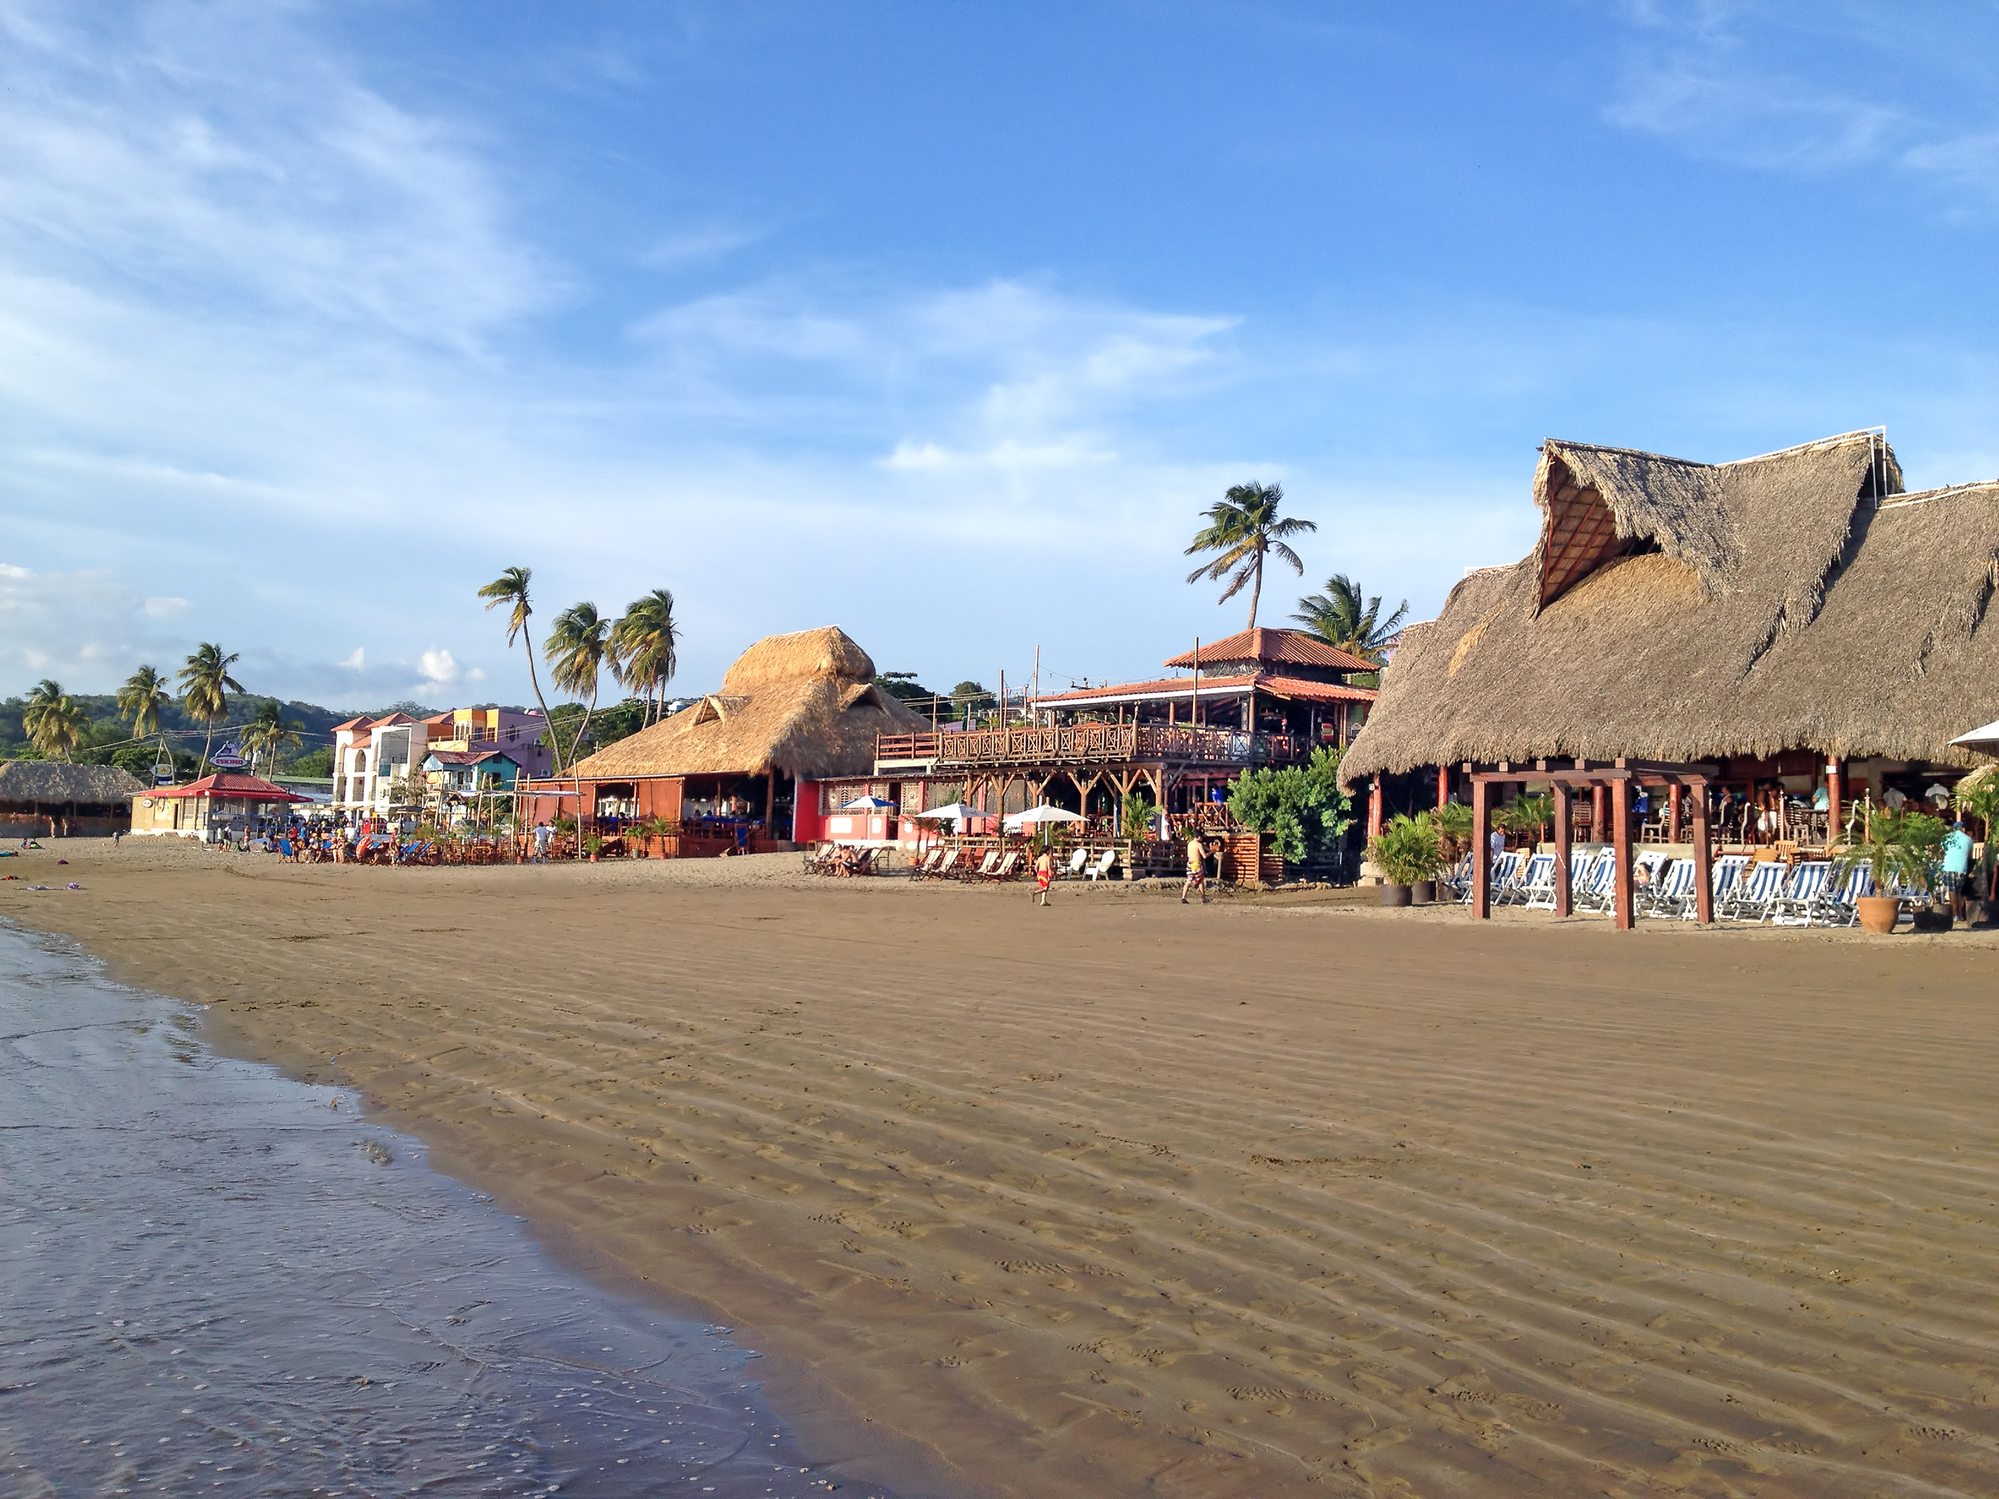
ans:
(229, 757)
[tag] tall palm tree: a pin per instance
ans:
(1244, 528)
(141, 699)
(511, 589)
(644, 641)
(206, 681)
(54, 722)
(1349, 622)
(579, 645)
(269, 732)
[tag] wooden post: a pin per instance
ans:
(1374, 817)
(1620, 821)
(1443, 784)
(1833, 800)
(1481, 855)
(1703, 860)
(1564, 835)
(1673, 813)
(1597, 800)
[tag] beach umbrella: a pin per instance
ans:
(1985, 740)
(1044, 813)
(868, 804)
(957, 812)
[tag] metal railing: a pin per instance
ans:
(1084, 743)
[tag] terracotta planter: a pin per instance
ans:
(1423, 893)
(1395, 895)
(593, 858)
(1878, 913)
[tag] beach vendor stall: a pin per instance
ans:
(214, 809)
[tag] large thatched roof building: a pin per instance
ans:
(79, 798)
(1683, 611)
(793, 709)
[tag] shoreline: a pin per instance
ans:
(1120, 1197)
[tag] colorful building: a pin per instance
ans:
(211, 809)
(371, 754)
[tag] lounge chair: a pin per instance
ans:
(985, 870)
(948, 865)
(1597, 890)
(1750, 897)
(1722, 877)
(1505, 869)
(1673, 892)
(925, 867)
(1005, 869)
(1102, 864)
(1794, 907)
(1839, 902)
(1458, 881)
(1537, 883)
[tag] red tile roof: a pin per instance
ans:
(1277, 647)
(1183, 687)
(226, 785)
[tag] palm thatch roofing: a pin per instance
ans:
(53, 783)
(803, 704)
(1686, 611)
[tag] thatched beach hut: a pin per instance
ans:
(54, 797)
(741, 766)
(1794, 622)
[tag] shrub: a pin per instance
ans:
(1303, 808)
(1408, 849)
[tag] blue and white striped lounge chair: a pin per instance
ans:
(1537, 882)
(1839, 902)
(1598, 889)
(1504, 868)
(1672, 892)
(1726, 872)
(1794, 906)
(1750, 898)
(1458, 881)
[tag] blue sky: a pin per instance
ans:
(939, 322)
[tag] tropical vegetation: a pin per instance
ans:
(1898, 848)
(1243, 529)
(510, 590)
(1408, 849)
(578, 649)
(269, 733)
(1977, 796)
(1349, 621)
(1302, 807)
(53, 721)
(645, 643)
(206, 685)
(142, 699)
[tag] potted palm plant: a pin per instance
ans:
(1408, 851)
(1978, 796)
(1898, 848)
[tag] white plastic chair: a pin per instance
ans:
(1103, 864)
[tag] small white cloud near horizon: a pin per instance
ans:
(165, 608)
(358, 661)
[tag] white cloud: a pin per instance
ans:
(165, 608)
(358, 661)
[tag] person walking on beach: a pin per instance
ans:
(1956, 867)
(542, 833)
(1044, 872)
(1197, 868)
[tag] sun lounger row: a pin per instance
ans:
(1806, 895)
(956, 864)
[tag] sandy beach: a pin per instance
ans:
(1123, 1197)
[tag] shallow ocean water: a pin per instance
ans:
(214, 1280)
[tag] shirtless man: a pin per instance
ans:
(1197, 868)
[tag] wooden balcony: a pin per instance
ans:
(1081, 744)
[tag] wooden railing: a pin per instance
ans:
(1083, 743)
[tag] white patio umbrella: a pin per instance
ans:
(1044, 813)
(956, 812)
(867, 804)
(1985, 740)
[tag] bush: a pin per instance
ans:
(1904, 847)
(1303, 808)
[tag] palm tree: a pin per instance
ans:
(1348, 622)
(141, 699)
(578, 645)
(511, 589)
(1244, 527)
(54, 722)
(206, 681)
(643, 642)
(269, 732)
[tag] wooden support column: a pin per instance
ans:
(1597, 801)
(1374, 817)
(1481, 855)
(1564, 837)
(1673, 812)
(1703, 860)
(1833, 800)
(1443, 784)
(1620, 824)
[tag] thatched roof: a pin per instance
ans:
(1684, 611)
(53, 783)
(803, 704)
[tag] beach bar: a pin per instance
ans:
(211, 808)
(739, 770)
(64, 800)
(1762, 650)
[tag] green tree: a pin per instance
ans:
(511, 589)
(1244, 528)
(903, 685)
(52, 720)
(645, 648)
(578, 648)
(206, 683)
(142, 699)
(1349, 622)
(269, 732)
(1302, 806)
(967, 697)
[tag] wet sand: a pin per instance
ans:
(1123, 1197)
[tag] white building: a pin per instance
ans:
(371, 754)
